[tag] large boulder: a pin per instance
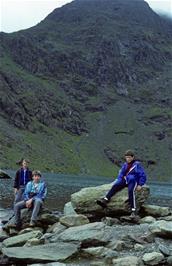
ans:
(84, 201)
(48, 252)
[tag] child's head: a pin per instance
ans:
(129, 156)
(36, 175)
(25, 163)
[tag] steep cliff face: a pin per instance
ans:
(88, 63)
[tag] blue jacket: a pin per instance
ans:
(136, 172)
(31, 191)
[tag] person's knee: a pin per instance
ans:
(38, 201)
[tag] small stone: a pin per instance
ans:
(117, 245)
(33, 242)
(68, 209)
(74, 220)
(127, 261)
(169, 260)
(138, 247)
(100, 252)
(153, 258)
(165, 250)
(148, 220)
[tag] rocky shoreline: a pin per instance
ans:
(86, 234)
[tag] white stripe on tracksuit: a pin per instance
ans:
(134, 199)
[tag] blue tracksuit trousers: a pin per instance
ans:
(118, 185)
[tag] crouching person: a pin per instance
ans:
(34, 196)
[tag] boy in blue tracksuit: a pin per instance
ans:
(34, 195)
(131, 175)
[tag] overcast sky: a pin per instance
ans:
(22, 14)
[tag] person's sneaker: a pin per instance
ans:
(32, 224)
(102, 202)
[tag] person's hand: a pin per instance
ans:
(138, 188)
(29, 203)
(15, 190)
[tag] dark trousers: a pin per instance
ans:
(118, 185)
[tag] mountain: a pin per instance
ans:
(88, 82)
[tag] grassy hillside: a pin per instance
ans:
(90, 81)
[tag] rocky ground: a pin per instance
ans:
(85, 234)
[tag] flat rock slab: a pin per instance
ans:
(20, 240)
(50, 252)
(88, 234)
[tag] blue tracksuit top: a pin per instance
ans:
(40, 190)
(136, 172)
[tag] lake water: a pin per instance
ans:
(61, 186)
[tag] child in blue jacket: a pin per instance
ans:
(34, 196)
(131, 175)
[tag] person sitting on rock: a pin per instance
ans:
(22, 177)
(34, 196)
(131, 175)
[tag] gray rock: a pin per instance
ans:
(110, 221)
(33, 242)
(84, 201)
(56, 228)
(117, 245)
(50, 264)
(153, 258)
(100, 252)
(127, 261)
(68, 209)
(74, 220)
(155, 211)
(48, 252)
(99, 263)
(20, 240)
(30, 229)
(166, 218)
(169, 260)
(48, 218)
(4, 175)
(46, 238)
(88, 234)
(138, 247)
(161, 228)
(3, 235)
(148, 220)
(167, 251)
